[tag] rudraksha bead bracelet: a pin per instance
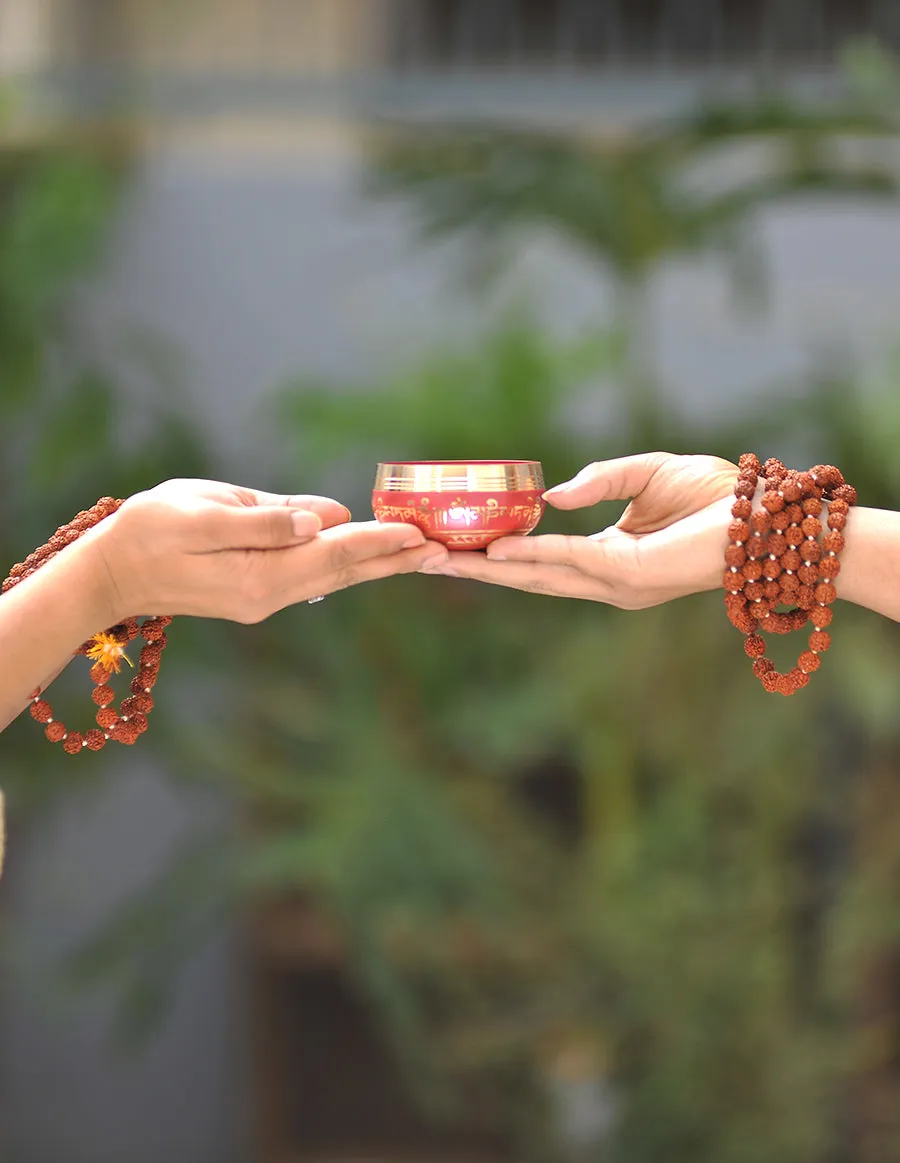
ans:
(778, 557)
(107, 652)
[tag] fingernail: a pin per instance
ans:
(563, 488)
(413, 542)
(434, 562)
(305, 524)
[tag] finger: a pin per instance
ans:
(561, 581)
(551, 549)
(227, 527)
(329, 511)
(607, 480)
(427, 556)
(299, 589)
(361, 540)
(339, 552)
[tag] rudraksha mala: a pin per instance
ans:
(778, 556)
(107, 652)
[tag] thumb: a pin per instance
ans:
(225, 527)
(607, 480)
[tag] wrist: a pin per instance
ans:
(711, 542)
(107, 601)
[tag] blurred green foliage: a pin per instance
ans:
(564, 846)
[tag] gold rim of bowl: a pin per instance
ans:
(469, 476)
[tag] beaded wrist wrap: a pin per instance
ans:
(106, 650)
(778, 556)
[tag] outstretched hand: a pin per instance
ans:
(668, 543)
(222, 551)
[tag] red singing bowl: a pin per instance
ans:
(464, 504)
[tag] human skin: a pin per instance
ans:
(669, 542)
(191, 547)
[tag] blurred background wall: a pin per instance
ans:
(243, 251)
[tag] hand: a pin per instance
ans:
(221, 551)
(669, 542)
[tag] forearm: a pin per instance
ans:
(45, 618)
(870, 562)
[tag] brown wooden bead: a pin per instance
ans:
(781, 521)
(808, 661)
(103, 695)
(811, 526)
(829, 568)
(753, 591)
(147, 677)
(821, 617)
(756, 546)
(733, 582)
(826, 475)
(735, 555)
(811, 551)
(742, 509)
(99, 673)
(95, 739)
(760, 610)
(789, 584)
(791, 560)
(807, 484)
(833, 542)
(812, 506)
(754, 646)
(55, 731)
(41, 711)
(774, 470)
(752, 570)
(143, 703)
(73, 742)
(794, 536)
(772, 590)
(808, 574)
(763, 666)
(772, 502)
(107, 717)
(795, 512)
(825, 593)
(819, 641)
(743, 621)
(790, 488)
(124, 733)
(770, 680)
(738, 531)
(845, 494)
(748, 463)
(745, 488)
(798, 677)
(836, 521)
(139, 721)
(776, 544)
(771, 568)
(839, 507)
(806, 597)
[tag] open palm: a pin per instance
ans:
(668, 543)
